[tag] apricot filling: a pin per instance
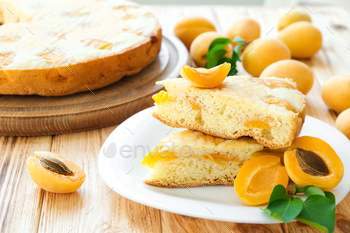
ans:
(273, 83)
(278, 102)
(312, 161)
(6, 59)
(158, 155)
(257, 178)
(54, 173)
(161, 97)
(257, 124)
(51, 58)
(206, 78)
(9, 39)
(99, 44)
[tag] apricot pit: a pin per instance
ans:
(312, 161)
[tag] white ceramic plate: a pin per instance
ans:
(119, 164)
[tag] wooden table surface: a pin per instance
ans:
(94, 208)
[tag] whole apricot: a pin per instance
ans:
(262, 52)
(54, 173)
(302, 38)
(296, 70)
(246, 28)
(200, 46)
(343, 123)
(336, 92)
(188, 28)
(292, 17)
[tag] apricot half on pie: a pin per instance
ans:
(54, 173)
(206, 78)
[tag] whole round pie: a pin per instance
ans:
(61, 47)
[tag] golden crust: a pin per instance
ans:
(188, 185)
(93, 74)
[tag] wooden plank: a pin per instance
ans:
(180, 223)
(20, 197)
(94, 207)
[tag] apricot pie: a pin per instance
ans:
(55, 48)
(190, 158)
(271, 110)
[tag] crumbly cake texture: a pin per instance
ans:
(200, 165)
(236, 108)
(55, 48)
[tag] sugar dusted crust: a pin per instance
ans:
(223, 111)
(93, 44)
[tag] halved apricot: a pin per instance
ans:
(206, 78)
(257, 178)
(54, 173)
(312, 161)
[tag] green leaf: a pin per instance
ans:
(278, 192)
(314, 191)
(216, 45)
(318, 211)
(330, 196)
(215, 58)
(238, 39)
(237, 50)
(285, 210)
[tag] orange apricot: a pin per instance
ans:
(245, 27)
(261, 53)
(343, 122)
(189, 27)
(257, 178)
(312, 161)
(54, 173)
(205, 78)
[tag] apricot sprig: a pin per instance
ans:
(317, 210)
(217, 54)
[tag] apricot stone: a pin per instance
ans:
(188, 28)
(336, 92)
(296, 70)
(302, 38)
(263, 52)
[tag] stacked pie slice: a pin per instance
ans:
(227, 125)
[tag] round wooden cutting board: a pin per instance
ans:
(38, 115)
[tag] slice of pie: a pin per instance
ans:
(190, 158)
(271, 110)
